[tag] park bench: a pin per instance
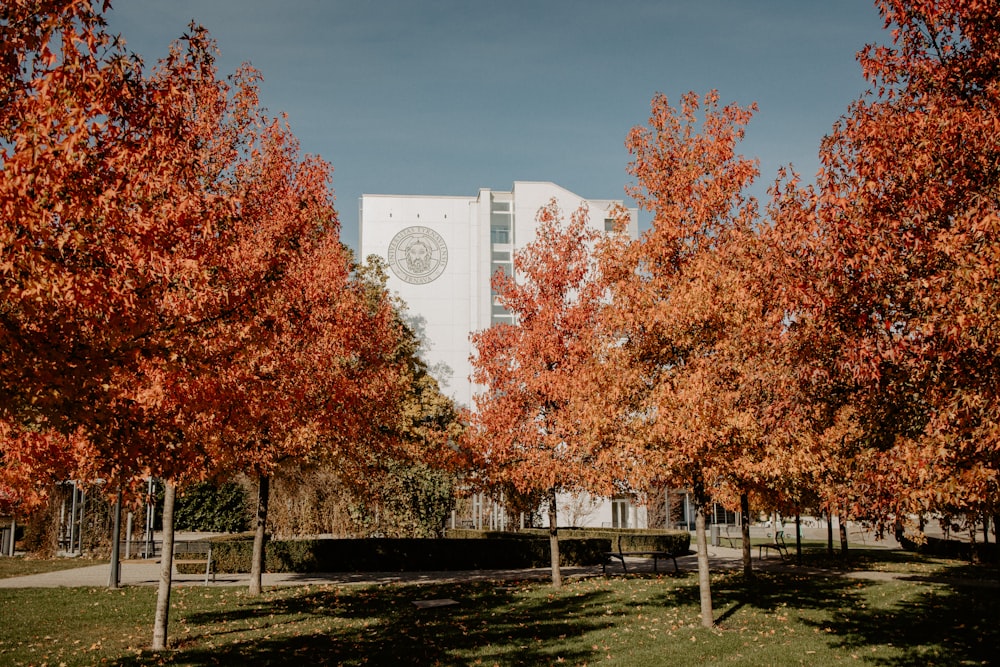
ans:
(777, 545)
(621, 554)
(733, 541)
(197, 552)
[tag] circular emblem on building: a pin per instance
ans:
(418, 255)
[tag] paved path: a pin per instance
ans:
(147, 573)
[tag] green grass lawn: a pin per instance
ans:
(20, 566)
(919, 612)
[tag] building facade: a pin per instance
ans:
(442, 252)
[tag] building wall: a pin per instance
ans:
(449, 297)
(442, 252)
(442, 300)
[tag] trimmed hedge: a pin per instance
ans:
(633, 539)
(404, 555)
(673, 541)
(936, 546)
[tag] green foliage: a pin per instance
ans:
(406, 554)
(413, 501)
(214, 508)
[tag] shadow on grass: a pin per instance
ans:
(942, 624)
(945, 616)
(382, 626)
(918, 611)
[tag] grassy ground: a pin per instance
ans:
(20, 566)
(903, 610)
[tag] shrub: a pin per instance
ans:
(220, 508)
(633, 539)
(405, 554)
(674, 541)
(936, 546)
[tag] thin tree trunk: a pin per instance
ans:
(829, 531)
(745, 534)
(843, 534)
(554, 542)
(83, 515)
(116, 537)
(257, 560)
(798, 536)
(973, 551)
(704, 579)
(11, 548)
(166, 570)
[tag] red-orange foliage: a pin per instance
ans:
(669, 288)
(175, 297)
(105, 220)
(697, 352)
(524, 430)
(895, 263)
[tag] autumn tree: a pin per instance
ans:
(526, 428)
(170, 271)
(686, 329)
(899, 237)
(340, 385)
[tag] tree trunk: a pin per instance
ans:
(842, 520)
(257, 560)
(745, 534)
(116, 538)
(798, 536)
(973, 550)
(554, 542)
(704, 579)
(996, 536)
(166, 570)
(829, 532)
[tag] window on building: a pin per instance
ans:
(500, 233)
(620, 511)
(505, 267)
(609, 224)
(500, 223)
(723, 516)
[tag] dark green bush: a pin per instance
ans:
(222, 508)
(633, 539)
(401, 555)
(936, 546)
(675, 542)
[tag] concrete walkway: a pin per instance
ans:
(147, 573)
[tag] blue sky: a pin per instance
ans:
(443, 97)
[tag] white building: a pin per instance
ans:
(442, 252)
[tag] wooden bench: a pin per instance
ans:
(196, 552)
(620, 555)
(778, 545)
